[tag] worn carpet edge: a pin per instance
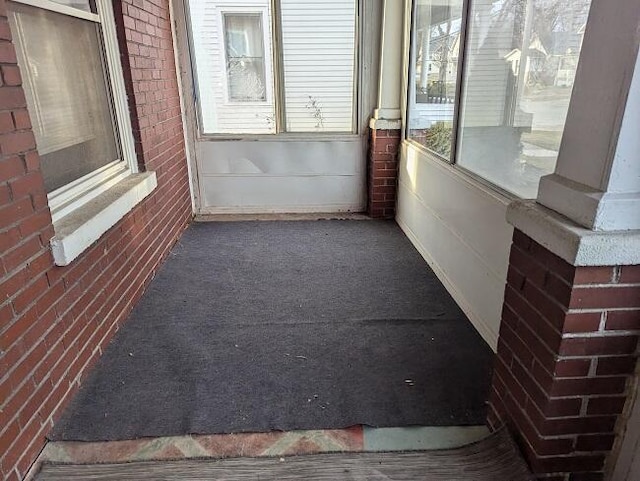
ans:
(266, 456)
(338, 427)
(494, 450)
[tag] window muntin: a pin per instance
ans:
(67, 95)
(511, 118)
(244, 50)
(435, 51)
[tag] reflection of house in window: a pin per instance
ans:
(519, 61)
(534, 61)
(435, 69)
(438, 47)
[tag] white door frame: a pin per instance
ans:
(368, 31)
(627, 461)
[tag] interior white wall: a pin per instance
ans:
(459, 227)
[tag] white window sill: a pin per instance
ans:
(76, 231)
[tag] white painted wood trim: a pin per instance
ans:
(282, 137)
(116, 77)
(391, 75)
(476, 182)
(627, 461)
(60, 8)
(74, 195)
(597, 176)
(81, 228)
(186, 86)
(481, 326)
(284, 209)
(184, 111)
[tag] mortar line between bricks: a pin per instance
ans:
(602, 334)
(574, 310)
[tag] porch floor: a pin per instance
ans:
(494, 457)
(282, 444)
(281, 326)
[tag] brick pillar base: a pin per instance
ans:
(383, 173)
(566, 353)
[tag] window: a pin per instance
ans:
(519, 61)
(62, 55)
(288, 66)
(436, 37)
(245, 58)
(318, 49)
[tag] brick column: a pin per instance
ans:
(566, 353)
(383, 172)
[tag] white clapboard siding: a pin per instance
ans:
(487, 71)
(318, 48)
(218, 114)
(424, 115)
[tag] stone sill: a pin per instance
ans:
(75, 232)
(575, 244)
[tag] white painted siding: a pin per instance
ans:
(218, 114)
(487, 72)
(459, 227)
(273, 176)
(318, 47)
(423, 116)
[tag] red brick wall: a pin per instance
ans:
(54, 321)
(566, 353)
(383, 173)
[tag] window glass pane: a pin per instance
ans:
(86, 5)
(434, 71)
(521, 62)
(66, 91)
(245, 58)
(318, 49)
(232, 50)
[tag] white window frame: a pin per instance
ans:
(409, 88)
(268, 56)
(77, 193)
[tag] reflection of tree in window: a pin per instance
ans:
(245, 57)
(521, 61)
(437, 27)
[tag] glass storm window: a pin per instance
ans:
(435, 52)
(245, 58)
(67, 95)
(264, 67)
(318, 45)
(521, 59)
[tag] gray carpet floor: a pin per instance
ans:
(260, 326)
(493, 459)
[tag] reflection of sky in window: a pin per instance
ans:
(237, 43)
